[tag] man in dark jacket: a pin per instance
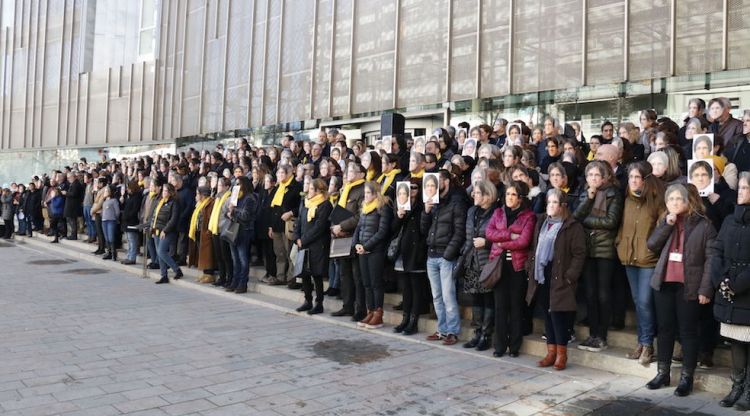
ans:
(32, 207)
(186, 197)
(444, 224)
(73, 205)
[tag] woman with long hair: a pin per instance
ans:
(244, 214)
(369, 241)
(164, 229)
(644, 204)
(312, 233)
(133, 200)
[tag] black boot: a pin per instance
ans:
(412, 328)
(404, 323)
(488, 324)
(108, 254)
(662, 378)
(113, 250)
(744, 402)
(178, 274)
(163, 280)
(475, 340)
(738, 386)
(318, 308)
(55, 241)
(219, 282)
(685, 386)
(485, 342)
(305, 306)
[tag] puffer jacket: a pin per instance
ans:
(601, 231)
(244, 213)
(7, 207)
(476, 227)
(730, 259)
(373, 229)
(412, 247)
(699, 235)
(169, 216)
(499, 233)
(445, 225)
(638, 222)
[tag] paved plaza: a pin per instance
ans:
(78, 339)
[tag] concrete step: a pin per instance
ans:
(612, 360)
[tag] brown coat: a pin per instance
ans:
(638, 222)
(98, 202)
(568, 259)
(699, 234)
(201, 253)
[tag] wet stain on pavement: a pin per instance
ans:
(49, 262)
(4, 244)
(345, 352)
(631, 406)
(85, 272)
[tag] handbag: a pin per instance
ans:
(393, 247)
(230, 233)
(460, 269)
(492, 272)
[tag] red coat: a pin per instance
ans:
(499, 232)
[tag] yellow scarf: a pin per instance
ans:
(565, 189)
(345, 192)
(312, 205)
(370, 206)
(418, 175)
(156, 212)
(590, 156)
(389, 177)
(213, 222)
(370, 174)
(194, 217)
(278, 197)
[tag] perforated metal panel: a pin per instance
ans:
(464, 50)
(649, 44)
(372, 74)
(259, 57)
(272, 64)
(738, 28)
(605, 38)
(296, 58)
(495, 40)
(422, 52)
(322, 51)
(342, 54)
(699, 36)
(238, 61)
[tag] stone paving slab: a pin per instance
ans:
(110, 343)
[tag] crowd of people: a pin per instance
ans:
(518, 220)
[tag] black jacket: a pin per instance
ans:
(33, 204)
(476, 226)
(601, 231)
(186, 196)
(445, 225)
(74, 199)
(169, 216)
(373, 229)
(730, 259)
(245, 213)
(315, 236)
(413, 246)
(290, 202)
(263, 220)
(131, 208)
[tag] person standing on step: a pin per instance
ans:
(96, 212)
(510, 230)
(681, 281)
(164, 229)
(369, 242)
(200, 252)
(73, 205)
(217, 222)
(146, 217)
(730, 271)
(557, 255)
(244, 214)
(475, 255)
(644, 204)
(285, 200)
(133, 201)
(444, 226)
(88, 201)
(7, 211)
(312, 233)
(110, 222)
(411, 263)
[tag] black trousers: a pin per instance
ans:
(99, 232)
(223, 258)
(556, 324)
(8, 230)
(265, 248)
(307, 286)
(72, 223)
(483, 311)
(708, 330)
(413, 296)
(740, 354)
(352, 291)
(371, 267)
(598, 274)
(510, 294)
(676, 316)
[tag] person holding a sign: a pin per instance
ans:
(244, 214)
(311, 233)
(681, 281)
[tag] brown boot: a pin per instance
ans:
(636, 353)
(647, 356)
(207, 278)
(376, 321)
(367, 318)
(562, 357)
(549, 359)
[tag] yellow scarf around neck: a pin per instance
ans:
(278, 197)
(194, 218)
(156, 211)
(213, 222)
(345, 192)
(389, 178)
(418, 175)
(370, 174)
(370, 206)
(312, 205)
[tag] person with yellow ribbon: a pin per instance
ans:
(311, 233)
(200, 250)
(391, 174)
(416, 166)
(285, 201)
(164, 229)
(218, 221)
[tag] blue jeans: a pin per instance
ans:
(110, 228)
(162, 250)
(240, 260)
(132, 244)
(643, 298)
(151, 248)
(333, 274)
(89, 221)
(29, 221)
(440, 273)
(21, 224)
